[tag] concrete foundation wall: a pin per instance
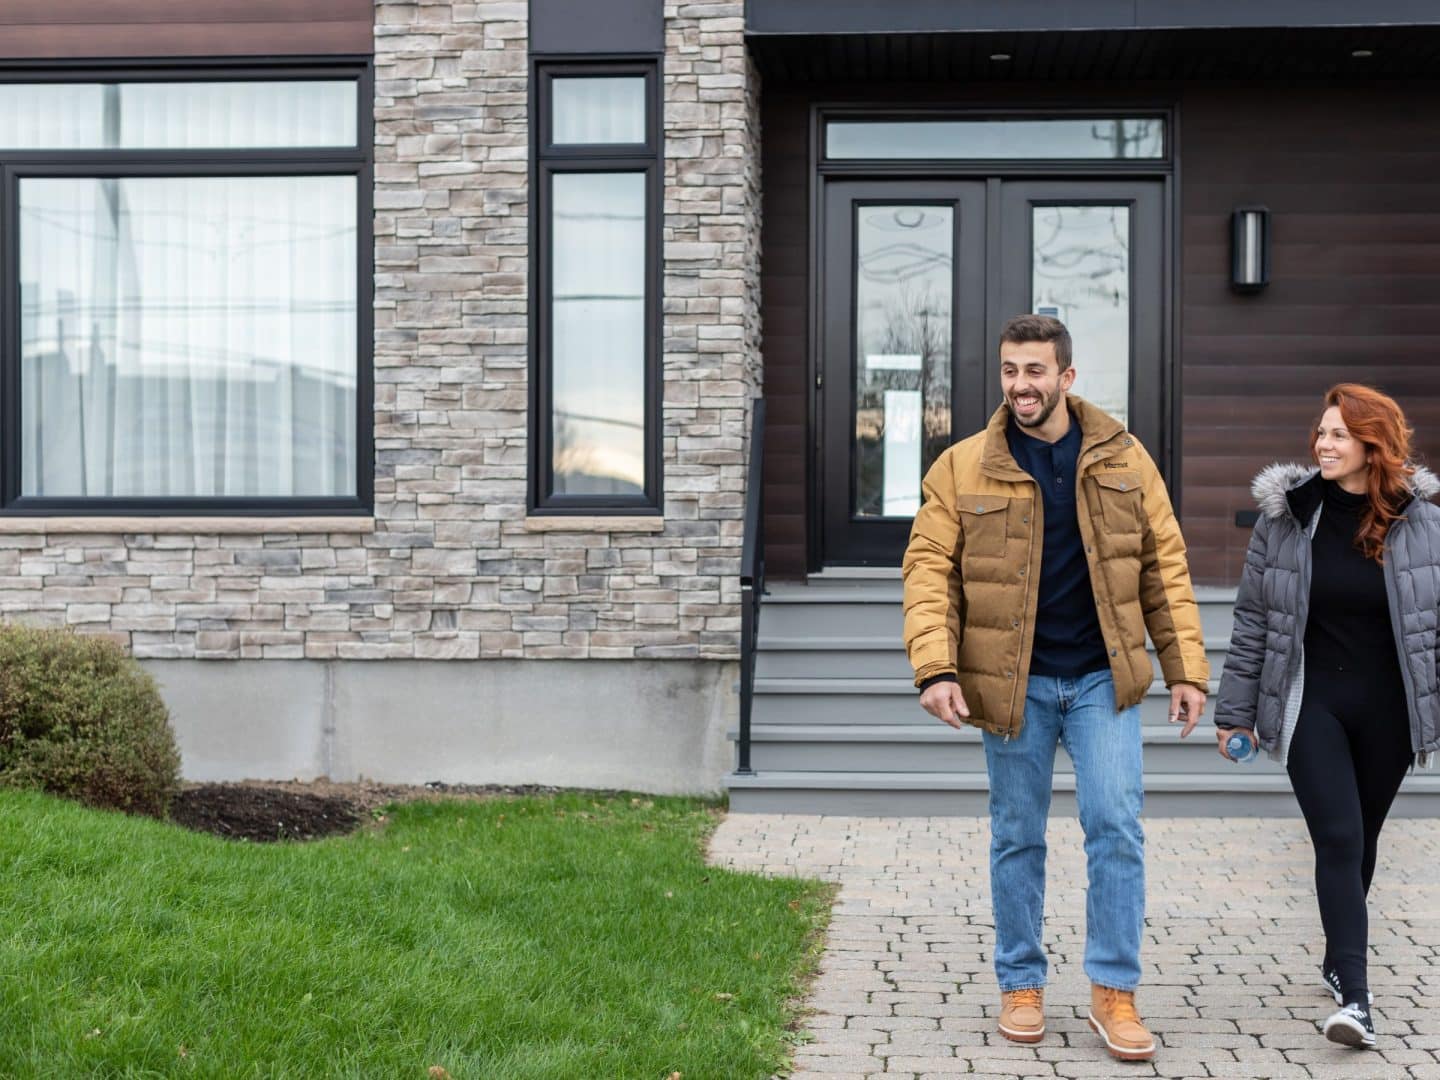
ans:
(652, 726)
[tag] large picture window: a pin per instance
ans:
(595, 414)
(184, 323)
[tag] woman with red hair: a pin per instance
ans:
(1332, 660)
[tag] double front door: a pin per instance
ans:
(916, 279)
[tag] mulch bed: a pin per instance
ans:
(269, 811)
(256, 813)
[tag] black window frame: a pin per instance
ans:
(546, 161)
(942, 113)
(356, 161)
(880, 114)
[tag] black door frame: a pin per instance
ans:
(871, 540)
(1166, 448)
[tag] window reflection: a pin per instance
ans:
(176, 116)
(598, 327)
(1081, 275)
(1016, 139)
(188, 336)
(902, 393)
(598, 110)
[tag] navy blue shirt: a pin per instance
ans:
(1068, 641)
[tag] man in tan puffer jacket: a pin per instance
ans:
(1044, 550)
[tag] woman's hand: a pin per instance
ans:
(1222, 736)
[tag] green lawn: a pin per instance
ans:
(560, 938)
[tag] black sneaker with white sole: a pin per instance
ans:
(1331, 979)
(1351, 1026)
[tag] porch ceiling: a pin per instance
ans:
(1270, 53)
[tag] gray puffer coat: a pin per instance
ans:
(1264, 675)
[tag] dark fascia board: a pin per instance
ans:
(581, 27)
(764, 17)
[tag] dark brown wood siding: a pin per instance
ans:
(1351, 175)
(1352, 178)
(101, 29)
(784, 317)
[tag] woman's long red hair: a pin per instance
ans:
(1375, 420)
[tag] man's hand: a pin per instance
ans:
(945, 701)
(1187, 705)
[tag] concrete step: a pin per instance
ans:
(843, 616)
(868, 657)
(966, 794)
(837, 727)
(935, 747)
(832, 702)
(873, 608)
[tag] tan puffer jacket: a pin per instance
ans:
(972, 569)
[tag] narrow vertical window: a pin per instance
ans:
(595, 391)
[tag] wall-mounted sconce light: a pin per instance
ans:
(1249, 248)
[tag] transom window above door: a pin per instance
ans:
(1076, 138)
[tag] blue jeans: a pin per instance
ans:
(1078, 713)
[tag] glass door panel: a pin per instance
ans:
(904, 280)
(1092, 253)
(1080, 274)
(902, 337)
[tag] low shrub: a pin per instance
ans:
(81, 719)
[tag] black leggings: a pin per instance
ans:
(1350, 751)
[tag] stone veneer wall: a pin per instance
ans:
(452, 568)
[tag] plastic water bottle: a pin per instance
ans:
(1240, 748)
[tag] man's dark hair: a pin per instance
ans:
(1023, 328)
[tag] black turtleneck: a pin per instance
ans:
(1349, 623)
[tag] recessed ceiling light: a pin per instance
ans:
(999, 56)
(1362, 54)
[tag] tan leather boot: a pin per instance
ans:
(1022, 1015)
(1114, 1019)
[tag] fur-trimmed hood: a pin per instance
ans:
(1272, 486)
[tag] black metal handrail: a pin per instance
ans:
(752, 576)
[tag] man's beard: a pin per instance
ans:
(1047, 407)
